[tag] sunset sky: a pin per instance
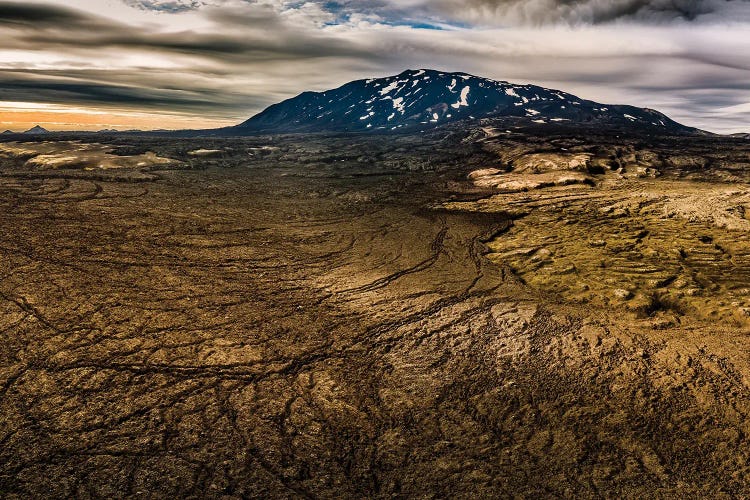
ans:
(147, 64)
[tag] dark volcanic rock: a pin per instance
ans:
(420, 99)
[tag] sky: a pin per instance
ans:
(175, 64)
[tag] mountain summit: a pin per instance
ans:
(36, 130)
(419, 99)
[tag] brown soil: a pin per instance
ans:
(314, 318)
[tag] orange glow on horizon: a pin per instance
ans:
(19, 117)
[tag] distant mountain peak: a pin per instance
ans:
(8, 132)
(424, 98)
(37, 130)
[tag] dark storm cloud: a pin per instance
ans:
(544, 12)
(36, 15)
(33, 89)
(145, 89)
(252, 47)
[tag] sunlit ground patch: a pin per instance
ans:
(80, 156)
(660, 249)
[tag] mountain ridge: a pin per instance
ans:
(423, 99)
(36, 130)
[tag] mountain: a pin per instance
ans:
(420, 99)
(36, 130)
(740, 136)
(8, 132)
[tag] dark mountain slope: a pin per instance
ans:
(36, 130)
(419, 99)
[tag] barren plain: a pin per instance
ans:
(486, 313)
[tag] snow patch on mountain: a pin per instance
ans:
(398, 103)
(464, 95)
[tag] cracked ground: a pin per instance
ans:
(283, 329)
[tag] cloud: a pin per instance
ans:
(586, 12)
(257, 33)
(24, 14)
(166, 5)
(36, 88)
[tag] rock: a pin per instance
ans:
(622, 294)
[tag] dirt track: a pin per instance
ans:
(247, 332)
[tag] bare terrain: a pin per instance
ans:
(482, 313)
